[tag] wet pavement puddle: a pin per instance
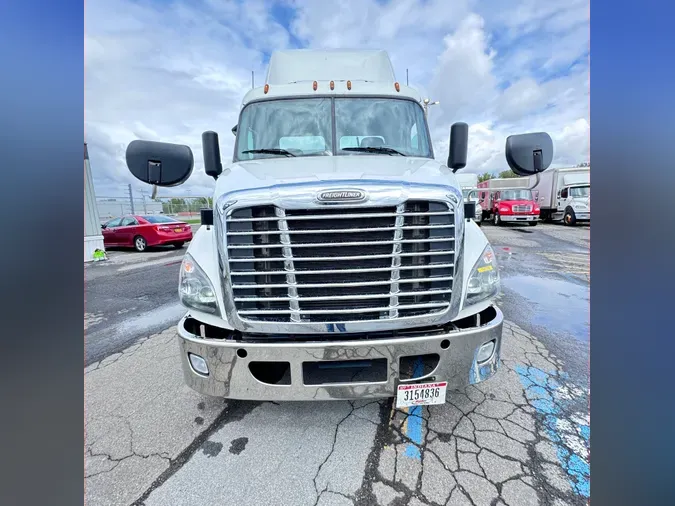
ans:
(559, 305)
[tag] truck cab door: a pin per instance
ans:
(562, 199)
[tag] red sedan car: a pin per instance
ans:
(141, 231)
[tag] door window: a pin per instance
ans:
(563, 193)
(127, 222)
(113, 223)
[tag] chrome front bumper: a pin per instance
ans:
(514, 218)
(229, 362)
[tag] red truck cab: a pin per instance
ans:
(512, 206)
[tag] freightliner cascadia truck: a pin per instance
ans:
(339, 260)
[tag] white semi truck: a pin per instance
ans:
(339, 260)
(565, 194)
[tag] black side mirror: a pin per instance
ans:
(459, 146)
(470, 210)
(102, 226)
(529, 154)
(211, 150)
(159, 163)
(234, 130)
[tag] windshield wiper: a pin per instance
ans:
(270, 151)
(375, 149)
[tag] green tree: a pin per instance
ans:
(484, 177)
(506, 174)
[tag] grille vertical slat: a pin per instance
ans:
(289, 266)
(341, 264)
(396, 262)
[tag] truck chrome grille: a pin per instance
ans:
(522, 209)
(341, 264)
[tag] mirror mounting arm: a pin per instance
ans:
(154, 172)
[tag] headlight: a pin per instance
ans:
(194, 288)
(484, 280)
(504, 209)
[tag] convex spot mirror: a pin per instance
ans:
(529, 154)
(159, 163)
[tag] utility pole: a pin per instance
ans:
(145, 207)
(407, 83)
(252, 79)
(131, 200)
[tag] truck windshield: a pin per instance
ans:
(299, 127)
(517, 195)
(580, 191)
(304, 127)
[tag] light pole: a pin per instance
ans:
(427, 103)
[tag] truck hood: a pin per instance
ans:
(274, 171)
(581, 200)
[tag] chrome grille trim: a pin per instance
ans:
(344, 311)
(289, 265)
(348, 271)
(335, 244)
(342, 297)
(338, 285)
(282, 279)
(357, 257)
(396, 261)
(349, 230)
(341, 216)
(522, 209)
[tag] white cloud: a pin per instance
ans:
(171, 71)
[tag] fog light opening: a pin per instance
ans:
(485, 352)
(242, 353)
(445, 344)
(198, 364)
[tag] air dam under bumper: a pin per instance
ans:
(518, 217)
(365, 368)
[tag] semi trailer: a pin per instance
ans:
(339, 260)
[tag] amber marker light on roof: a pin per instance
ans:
(267, 88)
(332, 85)
(397, 86)
(349, 85)
(315, 85)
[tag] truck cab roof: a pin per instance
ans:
(298, 65)
(292, 73)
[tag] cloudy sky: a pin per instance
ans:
(169, 70)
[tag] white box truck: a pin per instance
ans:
(338, 261)
(565, 194)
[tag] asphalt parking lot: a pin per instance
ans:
(521, 438)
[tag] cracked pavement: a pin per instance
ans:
(521, 438)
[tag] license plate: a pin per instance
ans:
(421, 394)
(177, 229)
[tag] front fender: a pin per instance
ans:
(203, 249)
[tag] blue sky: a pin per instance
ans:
(171, 69)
